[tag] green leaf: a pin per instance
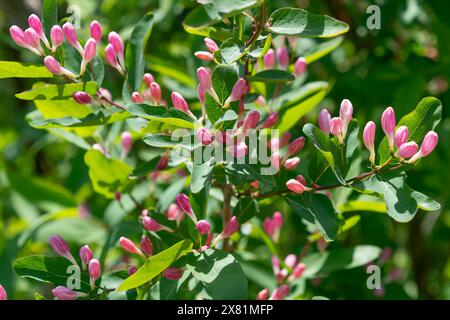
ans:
(49, 15)
(135, 51)
(272, 76)
(328, 149)
(321, 264)
(322, 49)
(227, 121)
(318, 209)
(245, 209)
(223, 80)
(221, 275)
(108, 176)
(57, 91)
(351, 141)
(231, 51)
(425, 117)
(300, 23)
(162, 114)
(49, 270)
(161, 141)
(10, 69)
(424, 202)
(155, 265)
(201, 185)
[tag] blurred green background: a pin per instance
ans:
(404, 61)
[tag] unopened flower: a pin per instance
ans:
(269, 59)
(296, 186)
(429, 143)
(146, 245)
(204, 55)
(95, 272)
(173, 273)
(280, 293)
(296, 146)
(86, 255)
(290, 261)
(277, 219)
(33, 40)
(148, 79)
(184, 204)
(71, 36)
(60, 246)
(82, 97)
(292, 163)
(111, 58)
(155, 91)
(211, 45)
(388, 125)
(126, 141)
(162, 163)
(95, 29)
(324, 121)
(269, 227)
(369, 139)
(401, 136)
(18, 36)
(283, 57)
(336, 128)
(137, 98)
(239, 150)
(238, 90)
(346, 113)
(90, 51)
(179, 102)
(263, 294)
(63, 293)
(407, 150)
(203, 227)
(301, 179)
(35, 23)
(57, 37)
(204, 78)
(275, 160)
(152, 225)
(116, 41)
(270, 120)
(204, 136)
(129, 246)
(3, 295)
(300, 66)
(251, 120)
(54, 67)
(230, 227)
(298, 271)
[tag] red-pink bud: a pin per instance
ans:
(162, 163)
(270, 120)
(211, 45)
(292, 163)
(136, 97)
(251, 120)
(35, 23)
(346, 111)
(369, 135)
(238, 90)
(295, 186)
(204, 136)
(99, 147)
(3, 295)
(230, 227)
(18, 35)
(388, 125)
(70, 34)
(155, 91)
(298, 271)
(173, 212)
(117, 196)
(173, 273)
(90, 50)
(203, 227)
(296, 146)
(275, 160)
(336, 126)
(204, 78)
(179, 102)
(146, 245)
(82, 97)
(401, 136)
(301, 179)
(127, 142)
(95, 271)
(201, 94)
(183, 203)
(110, 56)
(277, 220)
(263, 294)
(240, 149)
(300, 66)
(204, 55)
(52, 65)
(290, 261)
(32, 38)
(324, 121)
(60, 246)
(280, 293)
(86, 254)
(429, 143)
(151, 224)
(148, 79)
(132, 270)
(96, 30)
(269, 59)
(57, 37)
(269, 227)
(283, 57)
(407, 150)
(63, 293)
(129, 246)
(116, 41)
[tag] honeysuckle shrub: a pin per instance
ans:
(196, 177)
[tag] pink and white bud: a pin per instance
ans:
(129, 246)
(296, 146)
(280, 293)
(95, 272)
(230, 227)
(295, 186)
(298, 271)
(346, 112)
(388, 125)
(275, 160)
(126, 141)
(324, 121)
(116, 41)
(211, 45)
(292, 163)
(300, 66)
(407, 150)
(18, 36)
(162, 163)
(277, 220)
(269, 59)
(429, 143)
(240, 149)
(270, 120)
(101, 148)
(201, 95)
(263, 294)
(203, 227)
(71, 36)
(238, 90)
(96, 30)
(86, 255)
(269, 227)
(173, 212)
(90, 50)
(204, 136)
(301, 179)
(146, 245)
(32, 39)
(52, 65)
(60, 246)
(148, 79)
(173, 273)
(204, 55)
(155, 91)
(151, 224)
(401, 136)
(183, 203)
(3, 295)
(63, 293)
(251, 120)
(35, 23)
(369, 139)
(204, 78)
(111, 57)
(283, 57)
(57, 37)
(336, 128)
(290, 261)
(82, 97)
(136, 97)
(179, 102)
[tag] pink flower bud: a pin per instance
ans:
(146, 245)
(280, 293)
(211, 45)
(230, 227)
(155, 91)
(298, 271)
(57, 37)
(296, 146)
(32, 39)
(151, 224)
(201, 94)
(240, 150)
(407, 150)
(324, 121)
(283, 57)
(99, 147)
(148, 79)
(117, 196)
(136, 97)
(127, 142)
(86, 254)
(269, 59)
(369, 135)
(300, 66)
(301, 179)
(290, 261)
(275, 160)
(204, 55)
(261, 101)
(60, 246)
(173, 273)
(116, 41)
(251, 120)
(95, 271)
(183, 203)
(204, 78)
(277, 220)
(346, 112)
(18, 35)
(263, 294)
(203, 227)
(35, 23)
(429, 143)
(82, 97)
(129, 246)
(270, 120)
(269, 227)
(204, 136)
(63, 293)
(292, 163)
(401, 136)
(132, 270)
(295, 186)
(70, 34)
(179, 102)
(90, 50)
(173, 212)
(110, 56)
(336, 126)
(52, 65)
(162, 163)
(238, 90)
(3, 295)
(96, 30)
(388, 125)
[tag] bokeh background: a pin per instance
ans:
(404, 61)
